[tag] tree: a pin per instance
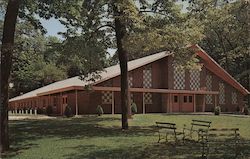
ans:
(127, 19)
(6, 58)
(26, 10)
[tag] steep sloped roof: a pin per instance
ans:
(108, 73)
(214, 67)
(114, 71)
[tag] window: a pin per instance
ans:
(190, 99)
(176, 99)
(185, 99)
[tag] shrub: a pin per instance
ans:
(217, 110)
(49, 110)
(68, 111)
(237, 109)
(99, 110)
(40, 111)
(133, 108)
(246, 111)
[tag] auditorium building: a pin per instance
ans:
(156, 85)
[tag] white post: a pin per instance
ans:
(35, 111)
(76, 102)
(113, 104)
(194, 103)
(15, 111)
(26, 111)
(30, 111)
(22, 112)
(143, 104)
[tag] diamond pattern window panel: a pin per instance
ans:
(209, 98)
(179, 78)
(147, 78)
(147, 83)
(221, 93)
(194, 79)
(148, 98)
(130, 85)
(234, 98)
(106, 97)
(209, 82)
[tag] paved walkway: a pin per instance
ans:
(24, 117)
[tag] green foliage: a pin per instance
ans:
(246, 110)
(238, 108)
(49, 110)
(99, 110)
(217, 110)
(40, 111)
(68, 111)
(133, 108)
(226, 33)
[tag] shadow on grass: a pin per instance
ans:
(190, 150)
(22, 133)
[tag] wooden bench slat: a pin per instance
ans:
(166, 127)
(200, 125)
(165, 123)
(202, 121)
(225, 129)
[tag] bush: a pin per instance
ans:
(217, 110)
(237, 109)
(49, 110)
(133, 108)
(99, 110)
(246, 111)
(68, 111)
(40, 111)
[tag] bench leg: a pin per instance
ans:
(166, 137)
(159, 137)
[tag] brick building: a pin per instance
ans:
(156, 85)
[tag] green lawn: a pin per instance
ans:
(101, 137)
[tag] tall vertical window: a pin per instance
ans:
(221, 93)
(194, 79)
(147, 83)
(234, 98)
(209, 99)
(179, 78)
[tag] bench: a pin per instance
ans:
(197, 126)
(218, 139)
(166, 129)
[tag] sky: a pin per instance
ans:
(53, 26)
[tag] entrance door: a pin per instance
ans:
(187, 103)
(64, 103)
(176, 103)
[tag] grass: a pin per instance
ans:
(101, 137)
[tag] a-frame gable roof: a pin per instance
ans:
(215, 68)
(107, 74)
(114, 71)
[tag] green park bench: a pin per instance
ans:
(167, 129)
(197, 126)
(219, 141)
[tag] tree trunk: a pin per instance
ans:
(6, 62)
(120, 30)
